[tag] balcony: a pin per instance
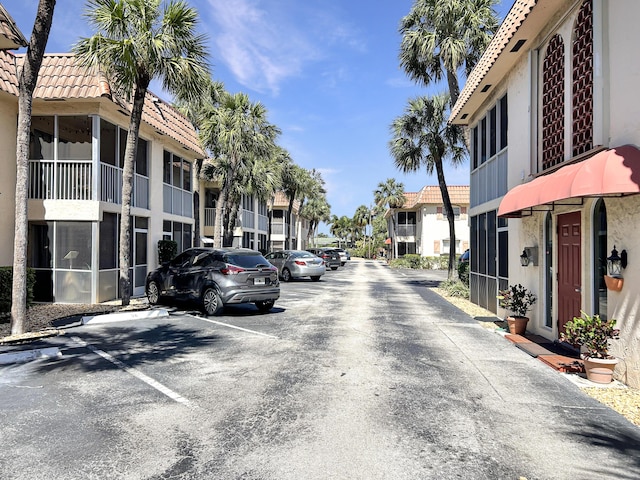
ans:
(406, 230)
(66, 180)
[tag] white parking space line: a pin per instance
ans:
(231, 326)
(132, 371)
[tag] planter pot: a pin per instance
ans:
(599, 370)
(517, 325)
(613, 283)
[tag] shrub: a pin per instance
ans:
(591, 332)
(6, 287)
(516, 299)
(167, 250)
(455, 288)
(463, 272)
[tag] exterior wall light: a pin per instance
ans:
(615, 263)
(524, 258)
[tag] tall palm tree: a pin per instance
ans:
(441, 36)
(316, 210)
(422, 137)
(136, 42)
(237, 133)
(27, 78)
(361, 218)
(390, 194)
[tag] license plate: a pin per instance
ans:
(259, 281)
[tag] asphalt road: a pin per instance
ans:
(366, 374)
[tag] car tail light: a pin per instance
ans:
(300, 262)
(231, 270)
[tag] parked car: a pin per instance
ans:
(296, 264)
(329, 255)
(214, 278)
(464, 258)
(344, 256)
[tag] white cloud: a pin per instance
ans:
(265, 42)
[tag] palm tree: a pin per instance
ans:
(390, 194)
(237, 133)
(316, 210)
(422, 137)
(27, 78)
(136, 42)
(361, 218)
(440, 36)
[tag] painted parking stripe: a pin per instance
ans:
(132, 371)
(231, 326)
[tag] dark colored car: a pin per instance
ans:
(214, 278)
(464, 258)
(330, 256)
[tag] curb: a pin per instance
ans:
(122, 316)
(29, 355)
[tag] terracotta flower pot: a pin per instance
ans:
(599, 370)
(517, 325)
(613, 283)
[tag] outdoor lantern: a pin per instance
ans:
(524, 258)
(615, 263)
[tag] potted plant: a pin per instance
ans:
(592, 334)
(517, 300)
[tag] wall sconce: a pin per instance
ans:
(615, 263)
(529, 256)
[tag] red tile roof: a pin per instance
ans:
(61, 78)
(281, 201)
(10, 35)
(430, 195)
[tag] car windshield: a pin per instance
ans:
(246, 260)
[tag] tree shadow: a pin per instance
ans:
(620, 439)
(128, 345)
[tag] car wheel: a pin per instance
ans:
(286, 275)
(211, 301)
(334, 268)
(315, 278)
(342, 264)
(265, 305)
(153, 293)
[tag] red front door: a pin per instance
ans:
(569, 268)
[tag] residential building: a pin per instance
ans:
(298, 227)
(555, 167)
(78, 132)
(421, 226)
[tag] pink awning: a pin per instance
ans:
(611, 172)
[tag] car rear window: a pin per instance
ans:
(303, 255)
(246, 260)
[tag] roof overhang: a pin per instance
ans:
(514, 38)
(11, 38)
(614, 172)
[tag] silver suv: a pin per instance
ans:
(214, 278)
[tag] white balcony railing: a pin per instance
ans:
(66, 180)
(49, 180)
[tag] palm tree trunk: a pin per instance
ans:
(127, 188)
(28, 77)
(217, 222)
(448, 208)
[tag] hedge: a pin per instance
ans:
(6, 287)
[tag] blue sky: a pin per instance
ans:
(326, 70)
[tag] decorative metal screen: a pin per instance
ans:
(582, 90)
(553, 104)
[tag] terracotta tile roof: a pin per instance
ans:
(61, 78)
(430, 195)
(514, 19)
(8, 77)
(10, 35)
(281, 201)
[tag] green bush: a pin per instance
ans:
(167, 250)
(463, 272)
(6, 287)
(455, 288)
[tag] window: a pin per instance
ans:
(74, 138)
(582, 85)
(109, 231)
(41, 144)
(600, 254)
(553, 93)
(504, 117)
(492, 132)
(456, 212)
